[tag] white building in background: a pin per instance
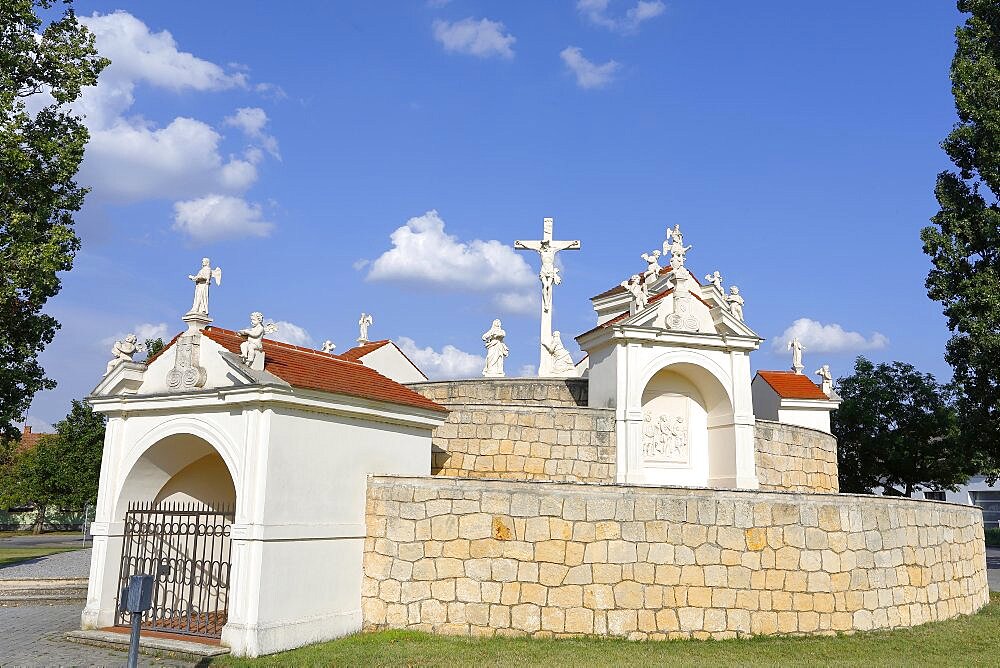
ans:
(386, 358)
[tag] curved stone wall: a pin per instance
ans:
(551, 559)
(522, 429)
(795, 459)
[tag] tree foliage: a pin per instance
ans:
(40, 154)
(964, 241)
(153, 347)
(62, 470)
(896, 428)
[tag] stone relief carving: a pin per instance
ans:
(187, 374)
(123, 351)
(252, 350)
(683, 318)
(496, 350)
(664, 438)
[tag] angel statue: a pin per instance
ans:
(123, 351)
(652, 266)
(675, 245)
(201, 282)
(735, 301)
(496, 350)
(715, 278)
(252, 350)
(639, 291)
(364, 323)
(328, 347)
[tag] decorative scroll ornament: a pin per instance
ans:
(187, 374)
(665, 438)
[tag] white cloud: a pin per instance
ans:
(588, 74)
(216, 217)
(518, 302)
(38, 425)
(142, 331)
(449, 363)
(291, 333)
(819, 338)
(422, 252)
(596, 11)
(251, 120)
(358, 265)
(482, 38)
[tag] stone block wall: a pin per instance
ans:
(795, 459)
(523, 429)
(544, 559)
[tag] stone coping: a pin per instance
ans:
(534, 485)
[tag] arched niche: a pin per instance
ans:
(688, 431)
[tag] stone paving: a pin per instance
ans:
(33, 636)
(74, 564)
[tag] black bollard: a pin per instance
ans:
(136, 598)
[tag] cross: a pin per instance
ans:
(549, 276)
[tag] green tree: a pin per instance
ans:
(40, 154)
(896, 428)
(153, 347)
(62, 470)
(964, 241)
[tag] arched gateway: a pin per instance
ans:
(216, 479)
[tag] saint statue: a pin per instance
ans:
(123, 351)
(826, 379)
(561, 361)
(328, 347)
(652, 266)
(496, 351)
(201, 282)
(639, 291)
(252, 350)
(364, 323)
(675, 245)
(715, 278)
(735, 301)
(796, 347)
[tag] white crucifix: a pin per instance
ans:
(549, 276)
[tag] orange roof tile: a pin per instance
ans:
(642, 279)
(790, 385)
(316, 370)
(29, 439)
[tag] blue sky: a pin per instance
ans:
(796, 144)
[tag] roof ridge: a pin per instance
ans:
(319, 353)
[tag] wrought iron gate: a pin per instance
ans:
(186, 547)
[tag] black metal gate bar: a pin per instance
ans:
(186, 547)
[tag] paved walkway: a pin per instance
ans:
(33, 636)
(75, 564)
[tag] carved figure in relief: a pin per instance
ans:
(123, 351)
(735, 301)
(328, 347)
(496, 350)
(562, 362)
(252, 350)
(202, 280)
(715, 278)
(665, 438)
(639, 291)
(364, 323)
(675, 245)
(653, 267)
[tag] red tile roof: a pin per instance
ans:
(622, 316)
(642, 279)
(29, 439)
(790, 385)
(316, 370)
(357, 352)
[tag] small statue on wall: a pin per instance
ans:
(735, 301)
(639, 291)
(715, 278)
(562, 362)
(496, 350)
(364, 323)
(826, 379)
(202, 280)
(252, 350)
(796, 347)
(653, 267)
(123, 351)
(328, 347)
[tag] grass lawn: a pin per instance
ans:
(968, 641)
(12, 555)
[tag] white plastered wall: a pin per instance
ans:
(390, 361)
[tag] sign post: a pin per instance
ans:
(136, 598)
